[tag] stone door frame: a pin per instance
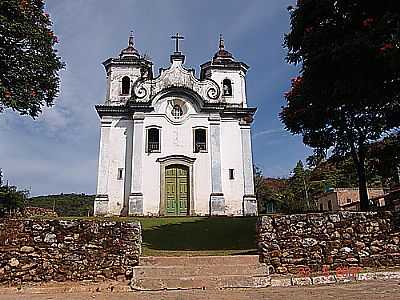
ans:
(176, 160)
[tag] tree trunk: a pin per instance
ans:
(362, 186)
(359, 161)
(362, 180)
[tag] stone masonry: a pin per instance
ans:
(60, 250)
(325, 242)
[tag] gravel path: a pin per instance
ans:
(388, 290)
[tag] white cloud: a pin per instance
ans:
(269, 132)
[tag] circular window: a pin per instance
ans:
(177, 111)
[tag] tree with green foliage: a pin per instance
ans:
(268, 192)
(384, 159)
(11, 199)
(382, 167)
(259, 188)
(348, 91)
(29, 64)
(299, 188)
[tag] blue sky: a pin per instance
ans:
(58, 152)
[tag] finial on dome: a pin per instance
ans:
(221, 42)
(222, 54)
(130, 51)
(130, 41)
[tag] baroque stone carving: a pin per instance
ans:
(176, 77)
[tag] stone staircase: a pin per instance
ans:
(199, 272)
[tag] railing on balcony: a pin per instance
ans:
(199, 147)
(153, 146)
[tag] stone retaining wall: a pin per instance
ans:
(60, 250)
(324, 242)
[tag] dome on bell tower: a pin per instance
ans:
(222, 61)
(222, 54)
(130, 51)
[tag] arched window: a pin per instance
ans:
(177, 111)
(153, 140)
(227, 87)
(126, 85)
(200, 140)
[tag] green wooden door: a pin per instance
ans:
(176, 188)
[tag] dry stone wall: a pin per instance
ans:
(60, 250)
(328, 241)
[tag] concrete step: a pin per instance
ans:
(201, 282)
(198, 270)
(199, 260)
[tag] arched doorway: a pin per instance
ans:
(176, 174)
(176, 190)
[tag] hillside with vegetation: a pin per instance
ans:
(298, 192)
(65, 204)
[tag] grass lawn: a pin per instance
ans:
(193, 236)
(198, 236)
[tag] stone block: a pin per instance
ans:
(323, 279)
(217, 204)
(250, 205)
(101, 205)
(136, 204)
(300, 281)
(281, 282)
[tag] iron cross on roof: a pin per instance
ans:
(177, 37)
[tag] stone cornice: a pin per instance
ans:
(239, 111)
(226, 65)
(114, 110)
(141, 62)
(132, 107)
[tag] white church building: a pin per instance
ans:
(175, 144)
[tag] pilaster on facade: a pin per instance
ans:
(136, 195)
(217, 200)
(249, 198)
(128, 167)
(101, 200)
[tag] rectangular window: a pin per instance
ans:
(120, 173)
(231, 174)
(153, 140)
(321, 207)
(200, 140)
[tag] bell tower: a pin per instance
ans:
(229, 74)
(123, 72)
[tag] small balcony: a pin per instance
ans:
(153, 146)
(200, 147)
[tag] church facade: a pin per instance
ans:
(175, 144)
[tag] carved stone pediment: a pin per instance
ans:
(176, 77)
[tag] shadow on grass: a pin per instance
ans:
(201, 234)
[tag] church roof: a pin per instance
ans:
(222, 54)
(130, 56)
(222, 60)
(130, 51)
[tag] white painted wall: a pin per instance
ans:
(238, 85)
(114, 82)
(176, 139)
(231, 158)
(116, 157)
